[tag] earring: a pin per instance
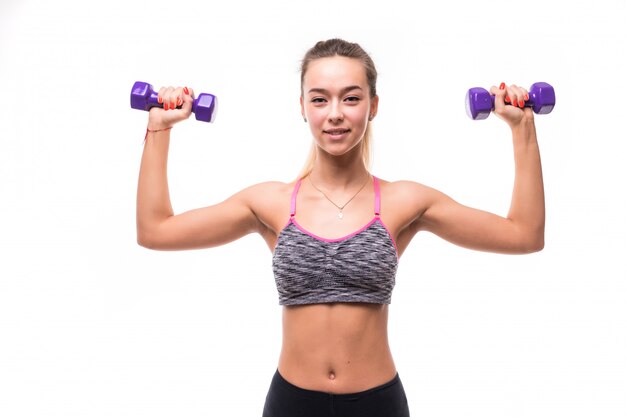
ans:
(305, 120)
(371, 117)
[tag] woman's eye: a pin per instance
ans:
(352, 98)
(317, 100)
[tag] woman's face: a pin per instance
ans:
(336, 103)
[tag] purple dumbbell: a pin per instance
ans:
(143, 97)
(479, 102)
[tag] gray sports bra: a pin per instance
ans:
(359, 267)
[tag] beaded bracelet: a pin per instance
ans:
(152, 131)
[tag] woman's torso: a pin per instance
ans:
(334, 347)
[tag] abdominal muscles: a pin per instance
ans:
(336, 347)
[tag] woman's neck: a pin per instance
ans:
(339, 172)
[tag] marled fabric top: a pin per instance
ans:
(359, 267)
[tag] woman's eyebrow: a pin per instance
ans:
(343, 91)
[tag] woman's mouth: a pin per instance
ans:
(337, 133)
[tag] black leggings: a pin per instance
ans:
(287, 400)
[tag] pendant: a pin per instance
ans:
(340, 215)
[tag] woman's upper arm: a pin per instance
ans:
(473, 228)
(206, 227)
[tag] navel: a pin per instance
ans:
(331, 375)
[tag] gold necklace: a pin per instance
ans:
(340, 215)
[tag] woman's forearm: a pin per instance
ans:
(153, 198)
(528, 204)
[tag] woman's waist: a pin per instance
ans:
(336, 347)
(338, 369)
(316, 326)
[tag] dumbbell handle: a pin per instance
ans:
(143, 97)
(479, 102)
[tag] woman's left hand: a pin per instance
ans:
(509, 104)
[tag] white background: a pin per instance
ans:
(91, 324)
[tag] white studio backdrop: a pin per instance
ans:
(91, 324)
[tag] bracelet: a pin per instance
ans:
(152, 131)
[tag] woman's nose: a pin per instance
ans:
(335, 114)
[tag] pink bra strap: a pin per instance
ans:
(377, 197)
(293, 197)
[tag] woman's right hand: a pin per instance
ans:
(169, 115)
(516, 113)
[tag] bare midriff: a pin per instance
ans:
(337, 347)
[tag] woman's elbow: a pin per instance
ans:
(143, 242)
(532, 244)
(147, 240)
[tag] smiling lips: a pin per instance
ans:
(336, 132)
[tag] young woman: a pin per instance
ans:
(337, 233)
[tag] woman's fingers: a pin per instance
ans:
(499, 93)
(516, 94)
(165, 94)
(187, 98)
(171, 97)
(510, 94)
(509, 103)
(525, 96)
(177, 98)
(177, 105)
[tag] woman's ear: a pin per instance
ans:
(302, 108)
(373, 108)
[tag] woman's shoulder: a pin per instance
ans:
(408, 196)
(267, 193)
(403, 187)
(270, 187)
(269, 200)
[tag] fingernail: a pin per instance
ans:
(502, 85)
(160, 100)
(179, 101)
(521, 104)
(507, 99)
(526, 97)
(165, 106)
(186, 90)
(515, 102)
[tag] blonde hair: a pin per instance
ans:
(339, 47)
